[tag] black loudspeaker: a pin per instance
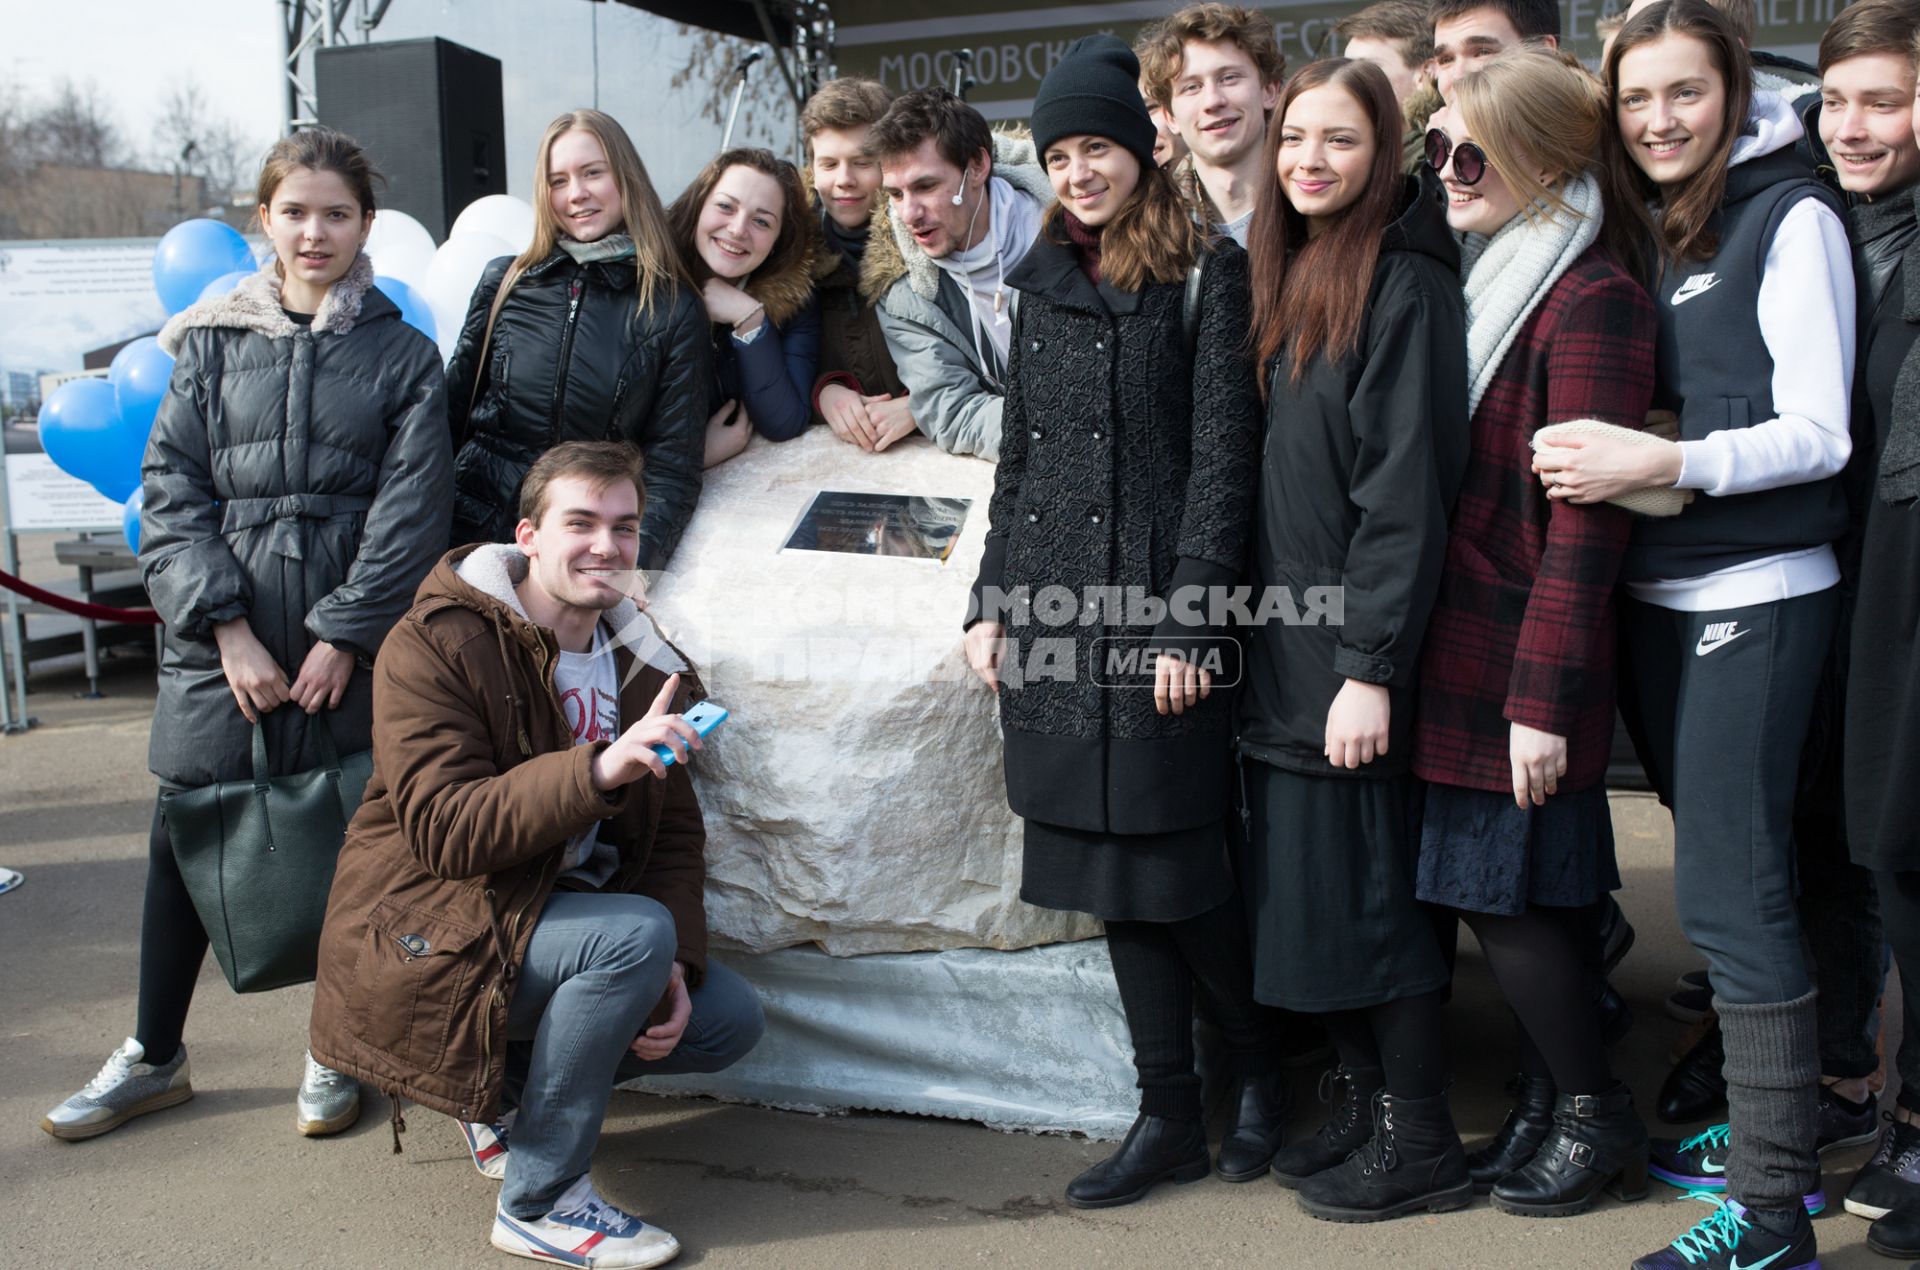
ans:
(428, 112)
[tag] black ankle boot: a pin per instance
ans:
(1526, 1127)
(1598, 1140)
(1260, 1106)
(1348, 1092)
(1156, 1149)
(1695, 1090)
(1413, 1161)
(1897, 1234)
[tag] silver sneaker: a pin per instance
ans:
(126, 1087)
(328, 1103)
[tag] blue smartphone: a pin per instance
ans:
(705, 717)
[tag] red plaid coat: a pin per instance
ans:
(1523, 629)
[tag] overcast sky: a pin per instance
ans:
(135, 50)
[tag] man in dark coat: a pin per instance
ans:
(858, 394)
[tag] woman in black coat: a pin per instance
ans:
(1125, 480)
(1359, 322)
(594, 333)
(297, 487)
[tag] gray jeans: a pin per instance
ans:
(596, 967)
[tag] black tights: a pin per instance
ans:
(172, 945)
(1543, 961)
(1159, 966)
(1404, 1037)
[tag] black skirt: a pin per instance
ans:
(1482, 852)
(1327, 870)
(1126, 877)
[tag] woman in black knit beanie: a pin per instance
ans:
(1127, 467)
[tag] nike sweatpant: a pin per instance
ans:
(1724, 699)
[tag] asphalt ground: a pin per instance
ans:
(224, 1179)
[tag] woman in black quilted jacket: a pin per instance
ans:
(1125, 481)
(297, 487)
(593, 333)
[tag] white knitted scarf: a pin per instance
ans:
(1511, 272)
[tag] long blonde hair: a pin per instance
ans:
(657, 267)
(1532, 110)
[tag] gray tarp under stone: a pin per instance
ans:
(1016, 1040)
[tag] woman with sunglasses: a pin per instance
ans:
(1359, 327)
(1730, 605)
(1515, 723)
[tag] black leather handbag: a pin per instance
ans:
(258, 856)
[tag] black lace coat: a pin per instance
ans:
(1126, 463)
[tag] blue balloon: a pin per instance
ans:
(192, 254)
(224, 283)
(130, 518)
(117, 489)
(83, 433)
(414, 310)
(140, 374)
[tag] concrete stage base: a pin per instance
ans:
(1032, 1039)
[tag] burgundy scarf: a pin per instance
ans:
(1087, 241)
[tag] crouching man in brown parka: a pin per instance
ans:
(517, 921)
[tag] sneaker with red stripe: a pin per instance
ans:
(487, 1144)
(584, 1230)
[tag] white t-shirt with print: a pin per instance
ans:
(589, 693)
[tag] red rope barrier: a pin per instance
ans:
(98, 612)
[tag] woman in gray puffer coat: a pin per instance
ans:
(298, 485)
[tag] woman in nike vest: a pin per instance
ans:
(1516, 711)
(1730, 605)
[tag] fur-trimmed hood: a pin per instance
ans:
(254, 305)
(785, 293)
(891, 252)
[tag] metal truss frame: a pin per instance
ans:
(316, 24)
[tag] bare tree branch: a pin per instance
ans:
(188, 135)
(73, 128)
(766, 111)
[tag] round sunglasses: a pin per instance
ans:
(1469, 160)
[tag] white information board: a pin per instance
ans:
(59, 301)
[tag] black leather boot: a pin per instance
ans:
(1695, 1090)
(1412, 1162)
(1348, 1093)
(1156, 1150)
(1598, 1140)
(1260, 1106)
(1526, 1127)
(1897, 1234)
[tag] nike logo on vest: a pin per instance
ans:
(1698, 284)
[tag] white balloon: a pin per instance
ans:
(400, 246)
(501, 215)
(451, 277)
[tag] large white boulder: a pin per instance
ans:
(855, 798)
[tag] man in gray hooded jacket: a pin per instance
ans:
(962, 207)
